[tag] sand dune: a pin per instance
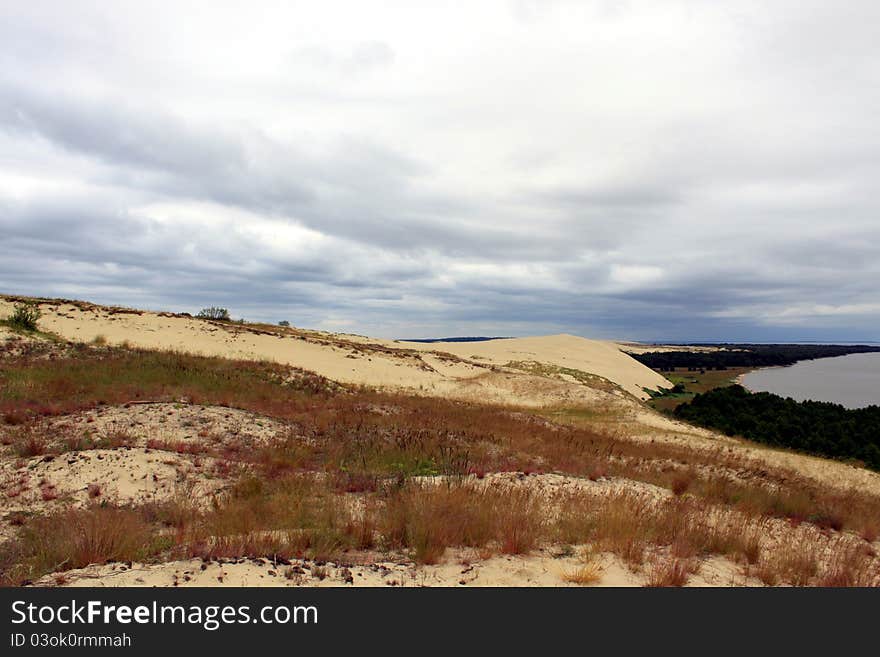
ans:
(489, 370)
(153, 452)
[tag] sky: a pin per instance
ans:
(659, 171)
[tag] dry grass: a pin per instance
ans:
(349, 475)
(849, 566)
(74, 539)
(805, 561)
(668, 571)
(429, 518)
(26, 441)
(588, 572)
(305, 516)
(682, 481)
(85, 377)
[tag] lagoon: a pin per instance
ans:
(852, 380)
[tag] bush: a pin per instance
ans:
(219, 314)
(25, 317)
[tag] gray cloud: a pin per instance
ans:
(649, 170)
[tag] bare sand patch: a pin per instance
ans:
(144, 423)
(118, 476)
(158, 458)
(461, 568)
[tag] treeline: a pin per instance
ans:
(746, 355)
(821, 428)
(474, 338)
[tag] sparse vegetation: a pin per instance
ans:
(73, 539)
(214, 313)
(355, 470)
(588, 572)
(24, 317)
(668, 571)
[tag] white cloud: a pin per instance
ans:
(658, 169)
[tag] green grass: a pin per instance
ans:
(556, 371)
(34, 333)
(694, 382)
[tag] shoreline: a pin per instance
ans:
(740, 378)
(803, 396)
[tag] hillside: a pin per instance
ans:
(467, 370)
(141, 448)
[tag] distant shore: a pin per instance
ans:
(850, 380)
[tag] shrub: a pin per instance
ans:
(212, 312)
(25, 317)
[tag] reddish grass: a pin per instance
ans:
(372, 444)
(682, 481)
(27, 442)
(850, 566)
(14, 417)
(428, 519)
(48, 492)
(177, 446)
(795, 562)
(419, 435)
(74, 539)
(668, 571)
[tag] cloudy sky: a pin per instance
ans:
(658, 170)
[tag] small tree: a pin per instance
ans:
(25, 317)
(219, 314)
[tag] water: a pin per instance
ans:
(852, 380)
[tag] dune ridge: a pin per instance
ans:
(489, 370)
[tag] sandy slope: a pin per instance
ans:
(464, 370)
(461, 568)
(155, 462)
(598, 357)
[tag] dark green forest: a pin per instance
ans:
(746, 355)
(820, 428)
